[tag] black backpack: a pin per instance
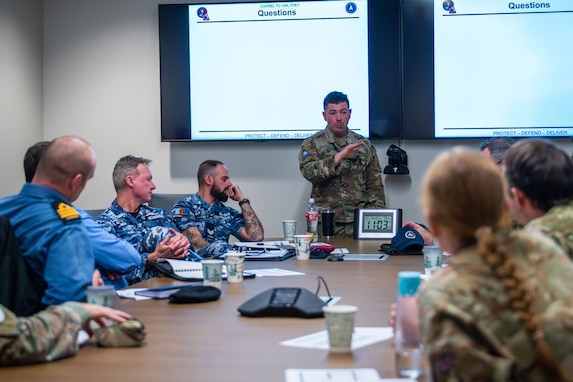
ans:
(21, 289)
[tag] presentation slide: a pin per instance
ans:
(261, 70)
(503, 68)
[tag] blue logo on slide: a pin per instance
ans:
(350, 7)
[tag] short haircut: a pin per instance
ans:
(497, 147)
(32, 158)
(335, 98)
(125, 166)
(207, 167)
(542, 171)
(66, 156)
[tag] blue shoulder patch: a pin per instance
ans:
(181, 212)
(305, 154)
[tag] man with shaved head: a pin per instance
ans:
(49, 229)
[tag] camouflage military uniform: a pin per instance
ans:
(144, 231)
(215, 223)
(44, 337)
(558, 224)
(352, 184)
(470, 332)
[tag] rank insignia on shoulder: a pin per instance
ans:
(65, 211)
(180, 212)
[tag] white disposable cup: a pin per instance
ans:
(302, 246)
(432, 259)
(289, 229)
(340, 326)
(101, 295)
(235, 263)
(213, 272)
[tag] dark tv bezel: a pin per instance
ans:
(418, 69)
(418, 103)
(383, 61)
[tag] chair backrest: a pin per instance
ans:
(165, 201)
(21, 289)
(94, 213)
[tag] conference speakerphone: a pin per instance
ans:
(283, 302)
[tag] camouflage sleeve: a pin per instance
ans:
(43, 337)
(315, 167)
(563, 239)
(374, 180)
(106, 220)
(455, 348)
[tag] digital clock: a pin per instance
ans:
(377, 223)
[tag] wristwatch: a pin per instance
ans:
(244, 201)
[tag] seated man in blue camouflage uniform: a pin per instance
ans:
(207, 221)
(150, 230)
(342, 166)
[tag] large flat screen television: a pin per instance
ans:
(475, 69)
(260, 71)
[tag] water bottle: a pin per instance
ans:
(407, 338)
(311, 216)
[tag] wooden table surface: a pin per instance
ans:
(212, 342)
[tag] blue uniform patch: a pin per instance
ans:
(305, 154)
(180, 212)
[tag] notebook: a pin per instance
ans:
(264, 251)
(188, 270)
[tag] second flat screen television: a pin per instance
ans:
(476, 69)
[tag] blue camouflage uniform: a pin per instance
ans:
(53, 241)
(215, 223)
(143, 231)
(110, 252)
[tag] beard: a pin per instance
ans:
(219, 194)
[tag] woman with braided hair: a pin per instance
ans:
(503, 308)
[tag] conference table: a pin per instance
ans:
(212, 342)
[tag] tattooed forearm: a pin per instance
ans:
(253, 227)
(196, 238)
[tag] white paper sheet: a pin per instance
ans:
(338, 375)
(274, 272)
(363, 336)
(331, 375)
(130, 293)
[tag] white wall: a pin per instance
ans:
(20, 87)
(101, 82)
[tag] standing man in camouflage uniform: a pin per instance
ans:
(150, 230)
(207, 221)
(540, 189)
(342, 166)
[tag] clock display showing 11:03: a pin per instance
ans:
(377, 223)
